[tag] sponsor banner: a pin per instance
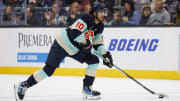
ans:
(29, 47)
(32, 57)
(143, 48)
(133, 45)
(131, 48)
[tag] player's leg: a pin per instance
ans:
(90, 75)
(92, 61)
(20, 88)
(55, 56)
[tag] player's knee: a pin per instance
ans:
(92, 59)
(96, 60)
(49, 70)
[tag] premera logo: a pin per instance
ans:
(26, 40)
(142, 45)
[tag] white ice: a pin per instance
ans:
(58, 88)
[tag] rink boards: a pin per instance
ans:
(143, 52)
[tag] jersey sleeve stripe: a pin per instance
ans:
(101, 49)
(65, 43)
(97, 39)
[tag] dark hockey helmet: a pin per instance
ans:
(96, 7)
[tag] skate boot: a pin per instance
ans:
(20, 90)
(90, 94)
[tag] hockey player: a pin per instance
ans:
(76, 42)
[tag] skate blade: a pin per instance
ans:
(88, 97)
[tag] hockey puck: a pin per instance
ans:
(161, 96)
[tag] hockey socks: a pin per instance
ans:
(31, 81)
(21, 88)
(40, 75)
(88, 80)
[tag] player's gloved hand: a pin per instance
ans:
(108, 61)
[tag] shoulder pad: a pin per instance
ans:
(89, 19)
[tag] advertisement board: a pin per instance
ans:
(144, 48)
(131, 48)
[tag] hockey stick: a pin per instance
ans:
(160, 95)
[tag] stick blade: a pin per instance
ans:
(161, 95)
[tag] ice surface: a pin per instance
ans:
(57, 88)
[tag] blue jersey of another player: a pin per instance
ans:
(81, 35)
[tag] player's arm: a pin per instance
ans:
(101, 50)
(78, 29)
(98, 44)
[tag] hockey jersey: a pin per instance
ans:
(83, 32)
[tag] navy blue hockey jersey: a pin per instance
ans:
(82, 30)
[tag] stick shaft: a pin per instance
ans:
(152, 92)
(130, 77)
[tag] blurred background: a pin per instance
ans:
(63, 12)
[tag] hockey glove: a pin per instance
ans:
(108, 61)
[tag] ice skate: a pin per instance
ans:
(90, 94)
(20, 90)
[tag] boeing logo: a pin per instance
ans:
(141, 45)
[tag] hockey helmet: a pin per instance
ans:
(96, 7)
